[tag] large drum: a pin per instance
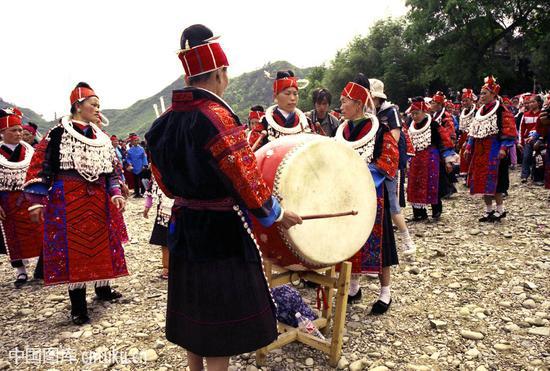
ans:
(314, 175)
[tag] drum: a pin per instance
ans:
(312, 175)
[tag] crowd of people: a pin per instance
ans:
(62, 196)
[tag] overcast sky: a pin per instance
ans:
(126, 49)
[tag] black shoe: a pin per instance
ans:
(379, 308)
(105, 293)
(79, 306)
(80, 319)
(436, 216)
(355, 298)
(498, 217)
(523, 180)
(488, 217)
(420, 217)
(21, 280)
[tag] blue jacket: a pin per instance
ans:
(136, 157)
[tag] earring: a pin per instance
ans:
(78, 110)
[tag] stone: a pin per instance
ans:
(481, 368)
(133, 351)
(473, 353)
(56, 298)
(430, 349)
(511, 327)
(542, 331)
(159, 344)
(26, 311)
(438, 324)
(390, 364)
(379, 368)
(414, 270)
(357, 365)
(454, 285)
(343, 363)
(309, 362)
(110, 330)
(251, 368)
(474, 231)
(529, 304)
(502, 347)
(5, 365)
(530, 285)
(464, 312)
(418, 368)
(472, 335)
(149, 355)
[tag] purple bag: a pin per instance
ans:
(289, 302)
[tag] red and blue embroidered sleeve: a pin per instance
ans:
(388, 161)
(234, 157)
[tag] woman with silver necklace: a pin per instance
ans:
(73, 188)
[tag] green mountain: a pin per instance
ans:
(244, 91)
(28, 115)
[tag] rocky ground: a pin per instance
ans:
(476, 298)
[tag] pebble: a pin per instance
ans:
(438, 324)
(379, 368)
(529, 304)
(419, 368)
(430, 349)
(542, 331)
(472, 335)
(454, 285)
(473, 353)
(390, 364)
(502, 347)
(414, 270)
(511, 327)
(309, 362)
(530, 285)
(4, 365)
(149, 355)
(474, 231)
(357, 365)
(343, 363)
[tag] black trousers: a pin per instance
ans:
(139, 188)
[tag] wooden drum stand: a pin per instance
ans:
(333, 285)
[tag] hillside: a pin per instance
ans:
(28, 115)
(244, 91)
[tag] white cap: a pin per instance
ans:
(377, 89)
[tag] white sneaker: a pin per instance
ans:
(409, 248)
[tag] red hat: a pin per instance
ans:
(134, 137)
(506, 101)
(11, 117)
(457, 106)
(113, 137)
(468, 93)
(439, 97)
(356, 92)
(491, 85)
(449, 104)
(203, 58)
(79, 94)
(256, 115)
(284, 83)
(419, 106)
(30, 129)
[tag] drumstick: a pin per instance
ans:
(333, 215)
(256, 144)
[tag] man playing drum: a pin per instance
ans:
(218, 298)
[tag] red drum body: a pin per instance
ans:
(310, 174)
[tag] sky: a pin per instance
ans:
(126, 50)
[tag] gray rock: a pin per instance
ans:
(149, 355)
(542, 331)
(472, 335)
(438, 324)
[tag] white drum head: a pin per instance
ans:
(322, 177)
